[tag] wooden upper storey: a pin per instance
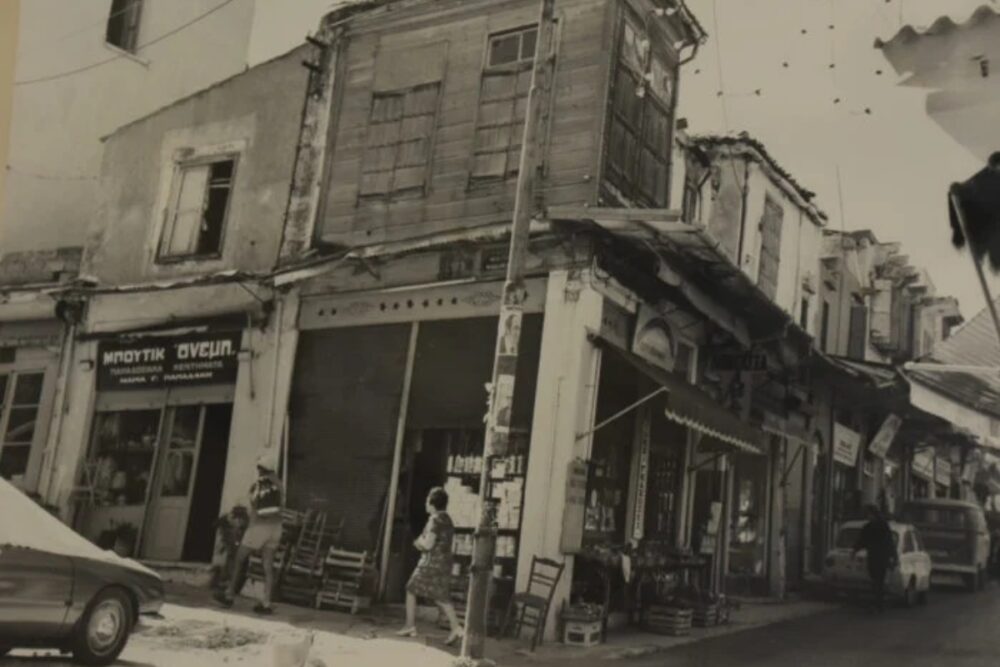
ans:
(429, 109)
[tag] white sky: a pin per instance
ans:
(895, 164)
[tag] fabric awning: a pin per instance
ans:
(690, 407)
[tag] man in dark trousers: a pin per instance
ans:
(877, 540)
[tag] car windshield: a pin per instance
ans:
(848, 537)
(952, 517)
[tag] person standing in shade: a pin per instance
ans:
(877, 540)
(432, 577)
(263, 534)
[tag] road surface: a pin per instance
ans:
(955, 630)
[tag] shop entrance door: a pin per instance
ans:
(170, 502)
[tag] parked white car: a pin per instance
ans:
(910, 581)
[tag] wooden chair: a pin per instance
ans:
(291, 525)
(346, 579)
(303, 568)
(531, 608)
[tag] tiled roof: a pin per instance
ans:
(975, 344)
(743, 139)
(941, 26)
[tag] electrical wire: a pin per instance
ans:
(100, 63)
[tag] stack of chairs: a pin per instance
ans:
(303, 568)
(291, 525)
(347, 583)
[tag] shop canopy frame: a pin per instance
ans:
(686, 405)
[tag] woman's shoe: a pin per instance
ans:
(407, 632)
(454, 637)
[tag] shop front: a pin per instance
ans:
(150, 484)
(30, 352)
(403, 413)
(651, 531)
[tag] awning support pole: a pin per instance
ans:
(621, 413)
(707, 463)
(960, 214)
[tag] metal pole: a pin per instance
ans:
(508, 343)
(397, 460)
(960, 214)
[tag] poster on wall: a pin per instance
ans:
(882, 441)
(154, 363)
(846, 444)
(576, 502)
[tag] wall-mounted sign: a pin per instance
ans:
(846, 444)
(923, 464)
(576, 502)
(880, 444)
(642, 479)
(653, 340)
(942, 473)
(151, 363)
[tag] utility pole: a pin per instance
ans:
(497, 439)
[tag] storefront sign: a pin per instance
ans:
(642, 479)
(923, 464)
(846, 444)
(576, 505)
(653, 340)
(149, 363)
(880, 444)
(942, 473)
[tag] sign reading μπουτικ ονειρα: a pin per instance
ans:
(152, 362)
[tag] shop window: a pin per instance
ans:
(749, 518)
(198, 210)
(640, 132)
(398, 150)
(122, 453)
(770, 247)
(123, 24)
(21, 397)
(179, 458)
(503, 104)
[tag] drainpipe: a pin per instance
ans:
(61, 402)
(745, 195)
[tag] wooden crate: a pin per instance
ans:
(582, 633)
(665, 620)
(346, 575)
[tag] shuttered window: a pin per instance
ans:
(503, 104)
(770, 247)
(398, 148)
(123, 24)
(640, 126)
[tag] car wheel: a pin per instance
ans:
(910, 596)
(102, 632)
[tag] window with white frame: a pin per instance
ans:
(503, 104)
(123, 24)
(199, 205)
(20, 400)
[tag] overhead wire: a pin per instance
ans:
(100, 63)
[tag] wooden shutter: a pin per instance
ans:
(770, 247)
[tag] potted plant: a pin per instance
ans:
(125, 539)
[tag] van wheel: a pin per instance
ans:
(910, 596)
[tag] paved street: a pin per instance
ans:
(956, 629)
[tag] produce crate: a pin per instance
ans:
(666, 620)
(582, 633)
(706, 615)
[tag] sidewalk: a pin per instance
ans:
(382, 622)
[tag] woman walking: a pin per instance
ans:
(432, 577)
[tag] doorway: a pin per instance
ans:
(186, 495)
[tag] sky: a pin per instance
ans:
(894, 163)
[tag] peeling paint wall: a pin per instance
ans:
(55, 148)
(256, 115)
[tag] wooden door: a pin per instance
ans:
(170, 501)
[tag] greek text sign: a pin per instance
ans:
(152, 363)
